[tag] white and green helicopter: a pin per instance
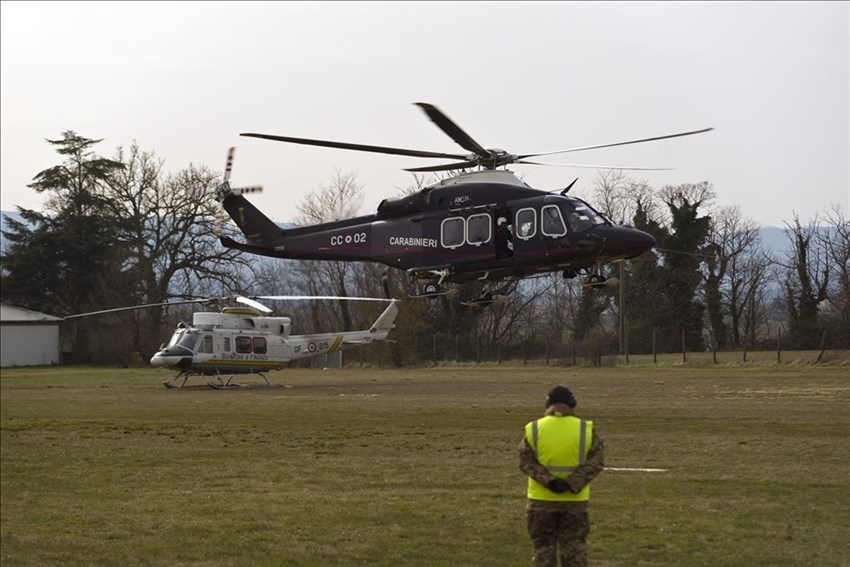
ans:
(246, 340)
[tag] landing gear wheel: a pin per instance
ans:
(432, 288)
(596, 281)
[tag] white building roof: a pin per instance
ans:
(11, 314)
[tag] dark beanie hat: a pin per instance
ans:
(561, 394)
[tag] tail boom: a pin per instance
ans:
(347, 240)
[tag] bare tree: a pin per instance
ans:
(560, 306)
(750, 277)
(836, 240)
(695, 194)
(340, 198)
(620, 197)
(730, 239)
(611, 195)
(168, 230)
(807, 269)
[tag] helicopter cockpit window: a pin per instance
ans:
(552, 222)
(526, 224)
(175, 338)
(452, 232)
(259, 345)
(244, 345)
(187, 340)
(580, 217)
(478, 229)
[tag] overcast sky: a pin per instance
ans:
(183, 79)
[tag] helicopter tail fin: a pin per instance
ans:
(385, 323)
(261, 233)
(378, 331)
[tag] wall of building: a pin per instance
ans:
(29, 345)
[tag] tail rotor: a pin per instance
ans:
(224, 190)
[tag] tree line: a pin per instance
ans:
(122, 231)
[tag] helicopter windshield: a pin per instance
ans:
(580, 216)
(184, 339)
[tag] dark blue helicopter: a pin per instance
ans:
(486, 225)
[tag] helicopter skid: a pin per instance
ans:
(172, 383)
(229, 385)
(172, 386)
(494, 296)
(484, 301)
(220, 384)
(432, 294)
(600, 282)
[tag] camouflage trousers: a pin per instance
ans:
(558, 528)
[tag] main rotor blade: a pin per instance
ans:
(447, 167)
(357, 147)
(594, 166)
(616, 144)
(255, 304)
(298, 297)
(117, 309)
(453, 130)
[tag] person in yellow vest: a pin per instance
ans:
(560, 454)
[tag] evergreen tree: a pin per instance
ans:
(680, 271)
(643, 296)
(60, 261)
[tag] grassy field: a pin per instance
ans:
(419, 467)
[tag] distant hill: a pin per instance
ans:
(774, 240)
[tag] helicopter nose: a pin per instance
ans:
(171, 360)
(643, 240)
(626, 240)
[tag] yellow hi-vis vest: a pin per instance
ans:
(561, 443)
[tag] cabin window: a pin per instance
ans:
(452, 232)
(259, 345)
(526, 224)
(244, 345)
(225, 344)
(206, 345)
(478, 229)
(552, 222)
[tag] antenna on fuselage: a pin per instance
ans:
(566, 189)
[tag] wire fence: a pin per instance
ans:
(443, 349)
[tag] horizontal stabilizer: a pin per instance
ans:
(228, 242)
